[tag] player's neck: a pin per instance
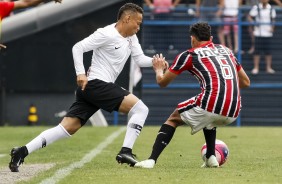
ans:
(119, 27)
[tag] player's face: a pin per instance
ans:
(134, 22)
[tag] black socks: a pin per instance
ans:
(210, 136)
(162, 140)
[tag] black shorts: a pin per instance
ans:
(96, 95)
(263, 45)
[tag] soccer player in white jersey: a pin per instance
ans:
(219, 103)
(111, 46)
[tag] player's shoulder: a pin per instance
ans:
(108, 30)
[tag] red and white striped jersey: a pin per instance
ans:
(216, 69)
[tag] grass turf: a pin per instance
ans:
(255, 156)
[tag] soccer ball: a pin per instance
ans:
(221, 151)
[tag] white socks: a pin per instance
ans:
(137, 116)
(47, 137)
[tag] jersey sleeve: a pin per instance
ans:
(236, 62)
(6, 8)
(95, 40)
(181, 63)
(136, 47)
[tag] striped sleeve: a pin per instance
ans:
(181, 63)
(236, 62)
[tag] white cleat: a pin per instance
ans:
(148, 164)
(211, 162)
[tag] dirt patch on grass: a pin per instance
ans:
(27, 171)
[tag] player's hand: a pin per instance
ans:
(166, 65)
(159, 63)
(82, 81)
(2, 46)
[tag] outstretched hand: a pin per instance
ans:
(82, 81)
(159, 63)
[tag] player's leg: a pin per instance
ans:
(137, 113)
(210, 137)
(76, 117)
(42, 140)
(163, 138)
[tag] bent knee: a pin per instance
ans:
(139, 107)
(71, 124)
(175, 119)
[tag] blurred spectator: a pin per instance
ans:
(230, 20)
(162, 6)
(250, 28)
(263, 15)
(161, 10)
(209, 10)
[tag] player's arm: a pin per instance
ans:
(143, 61)
(94, 41)
(244, 80)
(28, 3)
(163, 76)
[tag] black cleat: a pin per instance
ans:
(127, 158)
(17, 158)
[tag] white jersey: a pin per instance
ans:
(110, 53)
(265, 17)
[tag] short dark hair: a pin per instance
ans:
(201, 30)
(129, 7)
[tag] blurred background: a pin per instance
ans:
(36, 69)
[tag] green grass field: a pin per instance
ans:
(255, 156)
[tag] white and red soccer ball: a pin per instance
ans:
(221, 151)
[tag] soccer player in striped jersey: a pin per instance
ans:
(7, 7)
(111, 47)
(220, 76)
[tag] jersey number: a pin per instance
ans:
(225, 67)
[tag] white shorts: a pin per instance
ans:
(198, 118)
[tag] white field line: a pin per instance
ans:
(62, 173)
(2, 155)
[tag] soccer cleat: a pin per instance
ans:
(148, 164)
(17, 159)
(210, 162)
(127, 158)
